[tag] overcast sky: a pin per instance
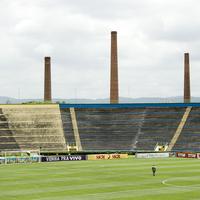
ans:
(152, 38)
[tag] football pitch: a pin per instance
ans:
(176, 179)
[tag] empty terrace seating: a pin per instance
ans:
(67, 126)
(32, 127)
(133, 128)
(7, 140)
(127, 128)
(189, 139)
(110, 128)
(159, 126)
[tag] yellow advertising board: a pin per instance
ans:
(106, 156)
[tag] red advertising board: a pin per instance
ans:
(186, 155)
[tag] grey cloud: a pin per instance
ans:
(152, 37)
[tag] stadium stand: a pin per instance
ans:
(159, 126)
(7, 140)
(122, 128)
(132, 127)
(33, 127)
(101, 127)
(189, 139)
(108, 129)
(67, 126)
(127, 129)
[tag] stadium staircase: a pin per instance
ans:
(68, 127)
(180, 128)
(75, 129)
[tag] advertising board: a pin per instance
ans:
(187, 155)
(152, 155)
(63, 158)
(106, 156)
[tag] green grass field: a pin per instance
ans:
(176, 179)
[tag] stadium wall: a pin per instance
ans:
(131, 105)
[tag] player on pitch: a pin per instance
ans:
(154, 170)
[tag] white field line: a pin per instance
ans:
(166, 182)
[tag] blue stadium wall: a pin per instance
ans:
(131, 105)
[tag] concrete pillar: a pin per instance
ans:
(114, 98)
(47, 79)
(187, 97)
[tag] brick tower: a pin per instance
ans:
(187, 97)
(47, 79)
(114, 98)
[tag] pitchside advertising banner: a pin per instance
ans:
(106, 156)
(19, 159)
(83, 157)
(187, 155)
(152, 155)
(63, 158)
